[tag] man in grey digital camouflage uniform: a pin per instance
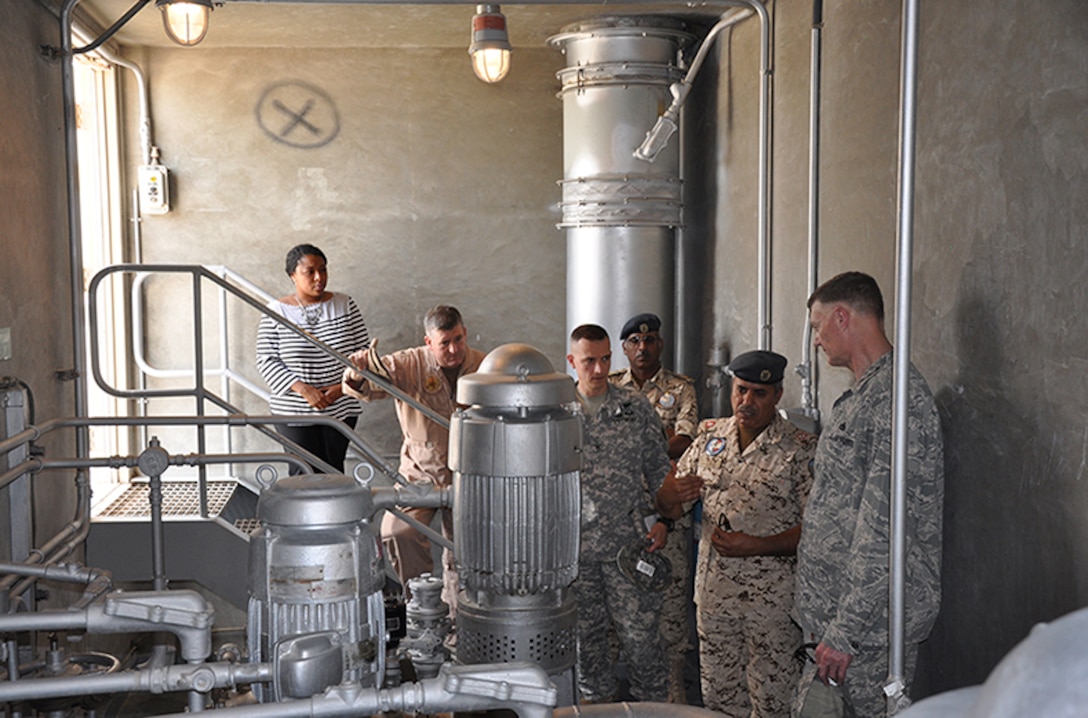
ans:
(753, 471)
(623, 450)
(673, 398)
(842, 560)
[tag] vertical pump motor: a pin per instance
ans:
(515, 454)
(315, 586)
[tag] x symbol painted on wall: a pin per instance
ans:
(298, 114)
(296, 118)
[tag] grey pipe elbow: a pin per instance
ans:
(184, 613)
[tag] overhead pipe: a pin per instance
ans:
(908, 86)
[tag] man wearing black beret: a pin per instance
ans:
(753, 472)
(673, 398)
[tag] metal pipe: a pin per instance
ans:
(235, 419)
(767, 78)
(29, 466)
(807, 369)
(405, 493)
(175, 678)
(520, 687)
(184, 613)
(680, 91)
(110, 31)
(141, 89)
(75, 233)
(908, 85)
(635, 710)
(65, 541)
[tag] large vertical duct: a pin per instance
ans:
(620, 213)
(515, 454)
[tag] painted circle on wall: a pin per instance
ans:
(298, 114)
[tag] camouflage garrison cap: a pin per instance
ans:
(640, 324)
(760, 367)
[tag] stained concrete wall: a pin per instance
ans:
(35, 296)
(423, 186)
(411, 209)
(999, 265)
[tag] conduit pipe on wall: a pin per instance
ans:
(75, 244)
(908, 85)
(807, 368)
(141, 87)
(668, 122)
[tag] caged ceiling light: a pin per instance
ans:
(490, 48)
(186, 21)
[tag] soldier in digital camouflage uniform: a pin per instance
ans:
(753, 472)
(842, 571)
(623, 450)
(673, 397)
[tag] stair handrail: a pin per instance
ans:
(198, 272)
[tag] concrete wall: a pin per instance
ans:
(438, 188)
(35, 295)
(999, 266)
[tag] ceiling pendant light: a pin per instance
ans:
(186, 21)
(490, 48)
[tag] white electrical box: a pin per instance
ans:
(154, 189)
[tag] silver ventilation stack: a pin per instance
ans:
(315, 586)
(620, 213)
(515, 453)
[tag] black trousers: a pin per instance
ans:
(323, 442)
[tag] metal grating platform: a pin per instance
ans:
(179, 498)
(247, 526)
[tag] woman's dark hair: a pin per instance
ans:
(298, 252)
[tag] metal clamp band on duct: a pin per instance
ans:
(515, 454)
(622, 200)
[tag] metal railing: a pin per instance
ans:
(227, 284)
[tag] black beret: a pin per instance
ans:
(759, 367)
(640, 323)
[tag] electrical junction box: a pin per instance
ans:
(154, 189)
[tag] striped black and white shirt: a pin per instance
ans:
(283, 357)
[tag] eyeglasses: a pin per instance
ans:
(635, 339)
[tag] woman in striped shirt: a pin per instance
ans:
(304, 380)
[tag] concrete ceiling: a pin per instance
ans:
(348, 24)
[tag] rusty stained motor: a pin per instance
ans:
(315, 586)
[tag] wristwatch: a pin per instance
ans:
(669, 523)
